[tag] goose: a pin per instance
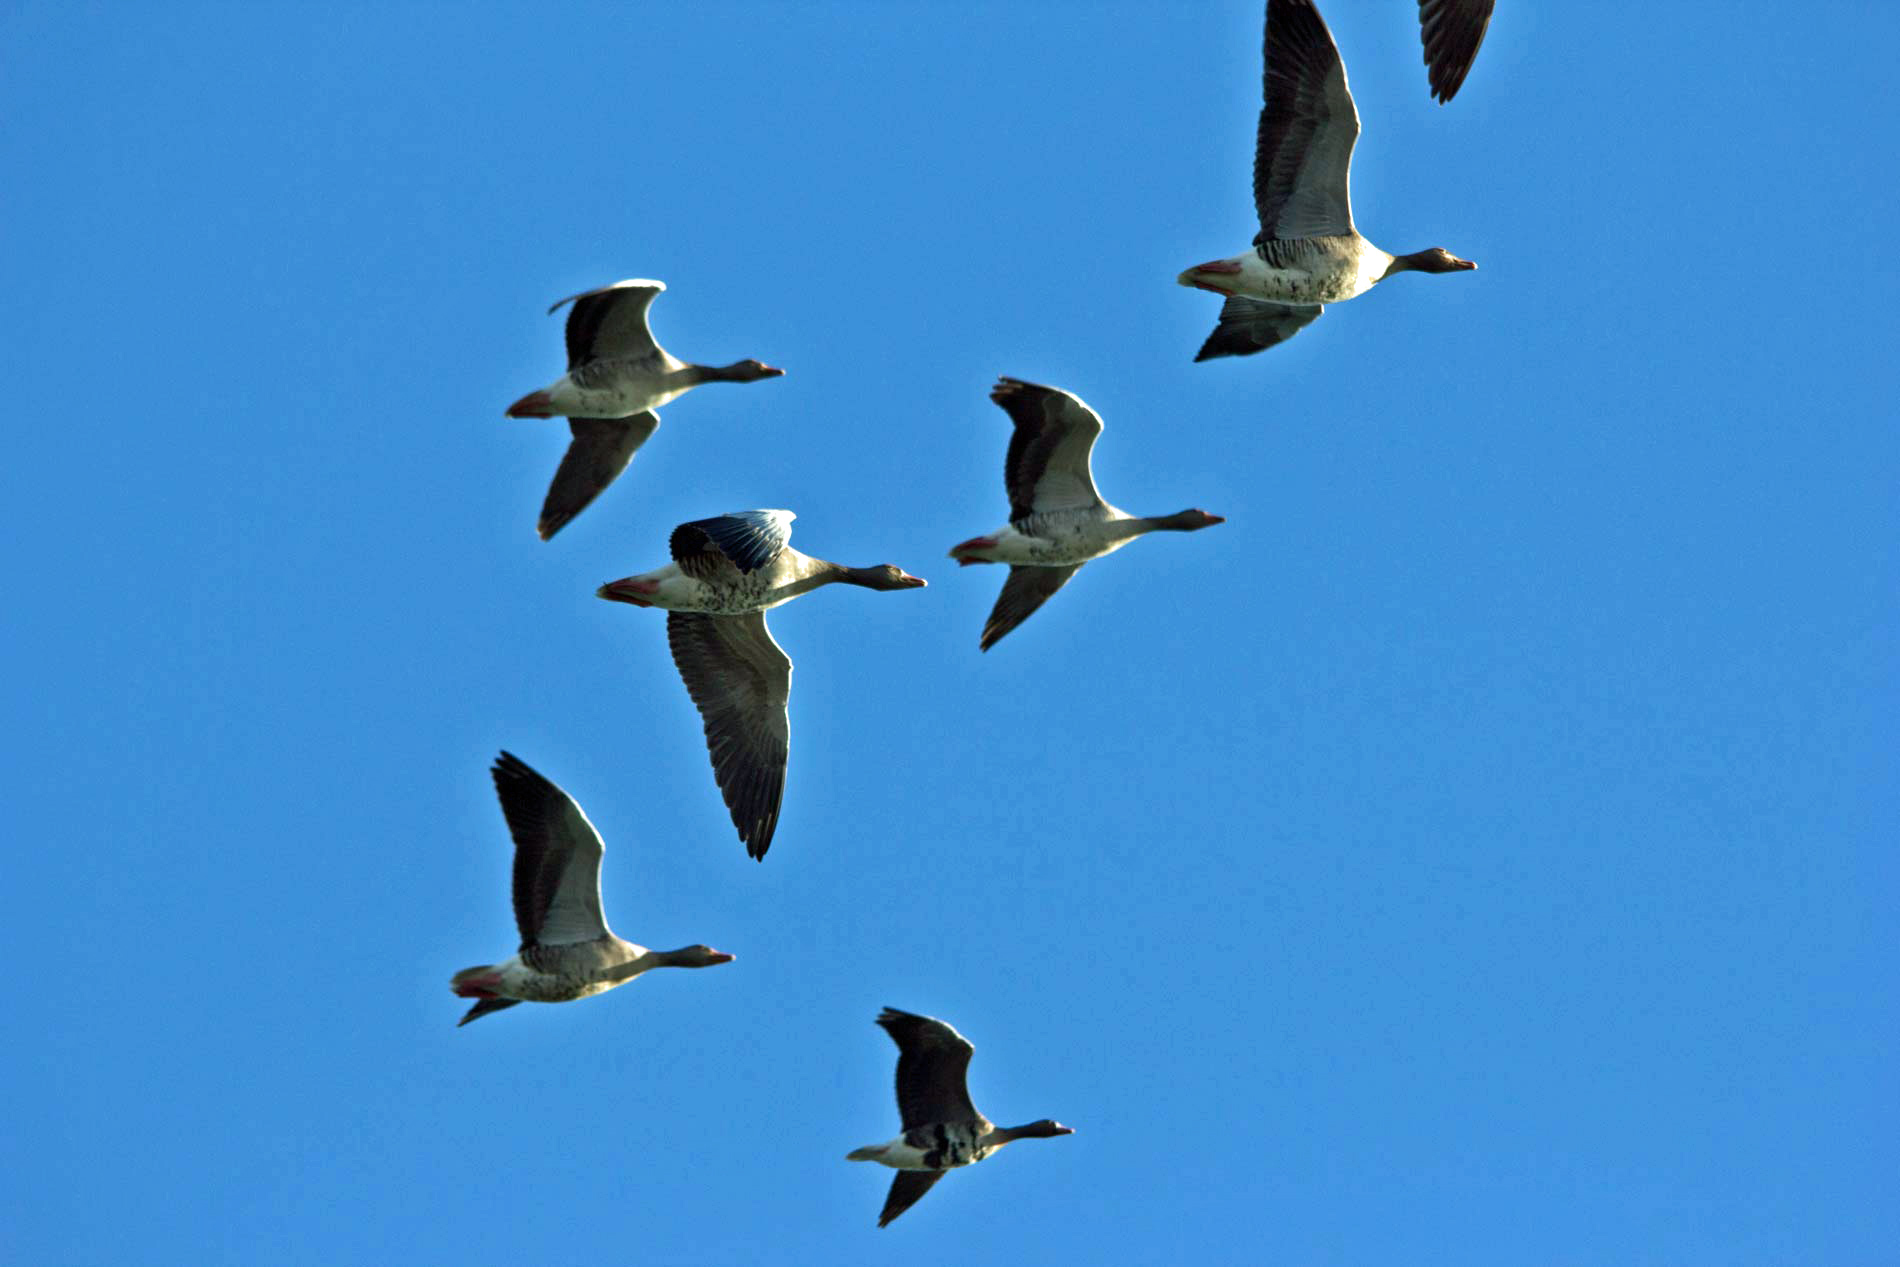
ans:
(567, 950)
(1451, 31)
(726, 573)
(1307, 253)
(942, 1129)
(1057, 521)
(616, 377)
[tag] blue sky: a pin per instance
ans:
(1478, 850)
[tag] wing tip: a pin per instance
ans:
(625, 283)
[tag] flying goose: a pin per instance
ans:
(1307, 253)
(726, 572)
(1057, 521)
(616, 377)
(567, 950)
(942, 1129)
(1450, 31)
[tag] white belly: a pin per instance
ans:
(758, 592)
(1061, 538)
(1325, 270)
(621, 398)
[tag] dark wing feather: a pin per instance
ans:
(907, 1189)
(933, 1061)
(747, 539)
(1026, 589)
(1303, 153)
(1047, 467)
(1451, 31)
(739, 679)
(557, 858)
(1250, 325)
(600, 450)
(483, 1008)
(610, 321)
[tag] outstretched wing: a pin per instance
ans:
(933, 1061)
(483, 1008)
(1048, 463)
(1303, 153)
(1026, 589)
(746, 539)
(1251, 325)
(557, 858)
(1451, 31)
(610, 321)
(739, 679)
(907, 1189)
(599, 452)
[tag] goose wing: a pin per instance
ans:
(610, 321)
(933, 1061)
(1303, 157)
(1451, 31)
(483, 1008)
(907, 1189)
(557, 859)
(1250, 325)
(739, 679)
(1048, 463)
(745, 539)
(1026, 589)
(600, 450)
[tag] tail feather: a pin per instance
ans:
(870, 1153)
(475, 983)
(533, 405)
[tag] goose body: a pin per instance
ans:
(942, 1128)
(1057, 519)
(617, 376)
(726, 573)
(1308, 253)
(567, 951)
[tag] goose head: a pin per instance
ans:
(885, 576)
(746, 371)
(696, 957)
(1047, 1128)
(1190, 521)
(1433, 259)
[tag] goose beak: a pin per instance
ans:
(911, 582)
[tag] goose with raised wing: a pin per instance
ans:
(942, 1129)
(1450, 31)
(726, 572)
(1057, 521)
(617, 376)
(567, 950)
(1307, 253)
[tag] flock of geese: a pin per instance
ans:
(728, 570)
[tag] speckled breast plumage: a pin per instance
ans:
(947, 1145)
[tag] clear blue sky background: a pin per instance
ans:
(1480, 850)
